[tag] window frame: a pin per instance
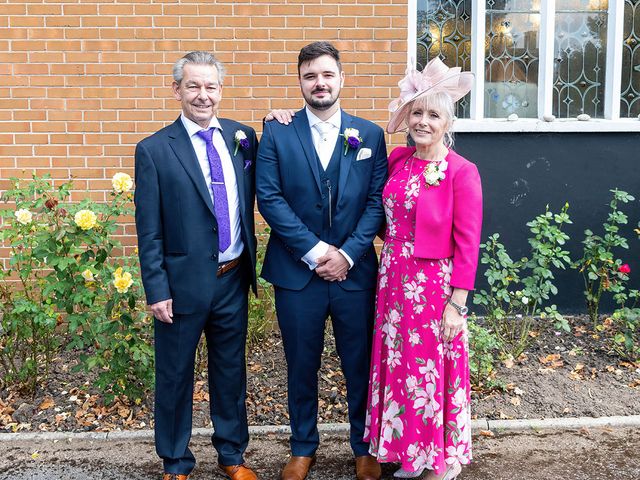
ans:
(613, 77)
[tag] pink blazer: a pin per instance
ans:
(449, 216)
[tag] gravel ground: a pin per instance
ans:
(603, 453)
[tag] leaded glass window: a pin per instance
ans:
(580, 46)
(630, 88)
(444, 30)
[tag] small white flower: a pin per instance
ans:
(351, 132)
(240, 135)
(525, 300)
(23, 216)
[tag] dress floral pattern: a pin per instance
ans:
(419, 393)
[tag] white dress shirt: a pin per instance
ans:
(230, 181)
(324, 145)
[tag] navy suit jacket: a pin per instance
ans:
(175, 220)
(290, 200)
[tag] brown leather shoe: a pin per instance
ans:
(297, 468)
(239, 472)
(174, 476)
(367, 468)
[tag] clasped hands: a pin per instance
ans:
(332, 265)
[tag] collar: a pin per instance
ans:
(334, 119)
(193, 128)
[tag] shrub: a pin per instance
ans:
(483, 349)
(519, 291)
(262, 309)
(62, 275)
(601, 271)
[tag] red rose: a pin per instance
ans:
(624, 268)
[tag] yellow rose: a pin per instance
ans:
(121, 182)
(85, 219)
(88, 275)
(23, 216)
(122, 280)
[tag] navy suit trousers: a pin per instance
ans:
(302, 315)
(225, 328)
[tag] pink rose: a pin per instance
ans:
(624, 268)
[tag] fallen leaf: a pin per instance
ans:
(46, 403)
(509, 363)
(553, 360)
(487, 433)
(534, 334)
(515, 401)
(35, 455)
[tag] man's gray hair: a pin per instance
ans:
(197, 58)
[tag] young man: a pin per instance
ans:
(194, 217)
(319, 182)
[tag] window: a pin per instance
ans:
(537, 58)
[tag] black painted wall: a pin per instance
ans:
(523, 172)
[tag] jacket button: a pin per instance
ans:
(214, 256)
(319, 206)
(215, 229)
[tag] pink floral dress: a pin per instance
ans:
(419, 394)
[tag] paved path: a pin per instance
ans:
(601, 453)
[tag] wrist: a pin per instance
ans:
(461, 308)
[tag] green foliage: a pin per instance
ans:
(483, 354)
(599, 267)
(623, 327)
(262, 309)
(520, 291)
(63, 285)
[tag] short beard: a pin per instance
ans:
(321, 105)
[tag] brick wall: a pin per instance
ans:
(82, 82)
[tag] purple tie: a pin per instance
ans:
(220, 202)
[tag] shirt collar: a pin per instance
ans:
(334, 119)
(193, 128)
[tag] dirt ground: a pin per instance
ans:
(560, 375)
(605, 454)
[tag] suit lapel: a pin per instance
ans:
(301, 125)
(181, 145)
(237, 160)
(345, 159)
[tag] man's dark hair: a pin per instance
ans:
(318, 49)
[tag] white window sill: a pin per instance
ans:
(497, 125)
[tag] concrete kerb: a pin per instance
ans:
(521, 425)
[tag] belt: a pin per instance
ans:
(226, 266)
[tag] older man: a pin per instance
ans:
(194, 216)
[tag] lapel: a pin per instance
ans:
(301, 125)
(180, 143)
(345, 160)
(229, 134)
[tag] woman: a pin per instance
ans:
(418, 411)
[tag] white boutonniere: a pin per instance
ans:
(352, 139)
(434, 173)
(241, 141)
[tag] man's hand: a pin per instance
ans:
(282, 116)
(332, 265)
(163, 310)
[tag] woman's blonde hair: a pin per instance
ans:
(442, 103)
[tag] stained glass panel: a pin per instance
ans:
(511, 58)
(579, 68)
(630, 89)
(444, 30)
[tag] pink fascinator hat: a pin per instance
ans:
(436, 77)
